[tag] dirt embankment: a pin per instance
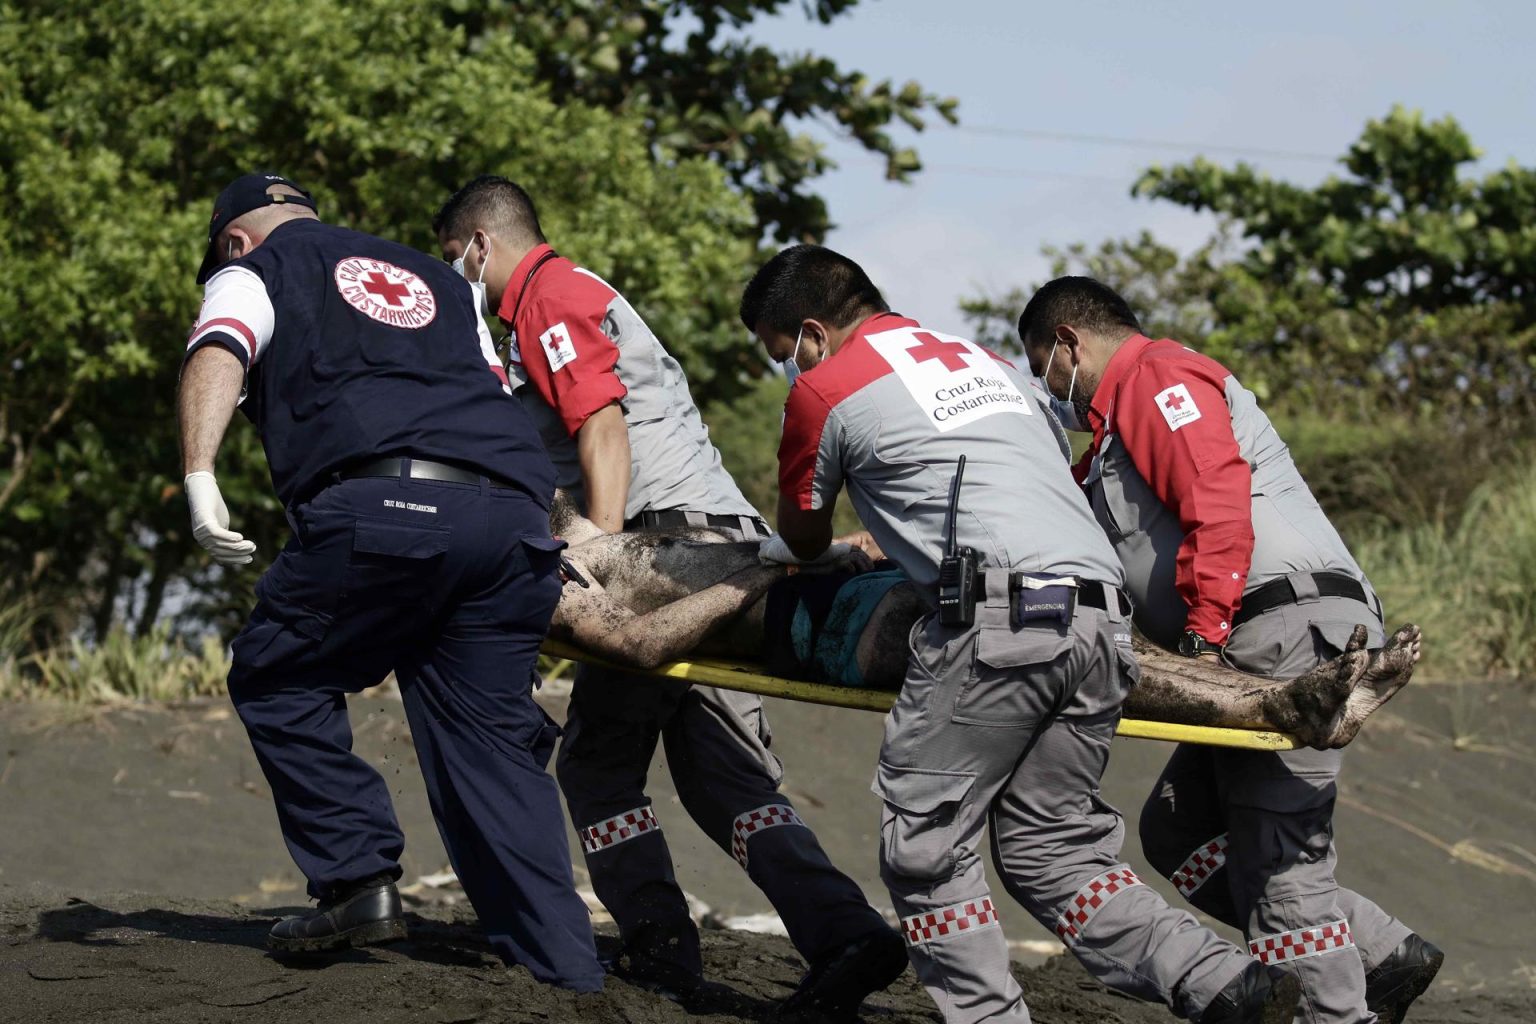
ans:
(140, 867)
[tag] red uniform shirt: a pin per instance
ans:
(555, 311)
(1167, 405)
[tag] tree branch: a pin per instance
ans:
(21, 461)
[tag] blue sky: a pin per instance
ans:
(1299, 77)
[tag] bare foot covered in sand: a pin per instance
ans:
(1308, 706)
(1389, 671)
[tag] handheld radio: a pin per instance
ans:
(960, 577)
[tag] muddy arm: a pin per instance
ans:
(598, 624)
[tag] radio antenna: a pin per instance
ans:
(954, 505)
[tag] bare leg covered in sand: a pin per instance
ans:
(657, 597)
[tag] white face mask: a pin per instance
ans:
(792, 368)
(1065, 411)
(478, 284)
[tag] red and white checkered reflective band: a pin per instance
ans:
(618, 829)
(1090, 899)
(1304, 942)
(1202, 864)
(947, 921)
(767, 816)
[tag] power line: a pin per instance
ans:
(1023, 172)
(1010, 172)
(1133, 143)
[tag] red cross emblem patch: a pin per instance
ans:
(384, 292)
(1177, 406)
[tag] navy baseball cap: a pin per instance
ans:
(246, 193)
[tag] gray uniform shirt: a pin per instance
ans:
(891, 412)
(579, 346)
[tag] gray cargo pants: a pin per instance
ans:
(716, 744)
(1010, 728)
(1247, 836)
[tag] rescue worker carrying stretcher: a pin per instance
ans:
(1228, 556)
(629, 446)
(418, 495)
(1015, 683)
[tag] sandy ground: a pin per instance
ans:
(140, 866)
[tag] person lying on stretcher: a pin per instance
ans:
(658, 595)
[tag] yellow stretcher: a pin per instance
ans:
(731, 676)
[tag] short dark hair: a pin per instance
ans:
(1079, 301)
(491, 202)
(809, 281)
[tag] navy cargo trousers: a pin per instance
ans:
(451, 586)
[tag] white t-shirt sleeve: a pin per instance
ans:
(237, 313)
(488, 350)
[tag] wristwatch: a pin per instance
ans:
(1192, 645)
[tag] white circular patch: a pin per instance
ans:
(389, 294)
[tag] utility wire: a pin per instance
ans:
(1023, 172)
(1116, 140)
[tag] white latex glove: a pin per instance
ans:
(774, 551)
(210, 521)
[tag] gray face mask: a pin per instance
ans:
(1066, 411)
(792, 368)
(478, 284)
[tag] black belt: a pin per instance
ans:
(670, 518)
(1096, 595)
(1279, 592)
(422, 469)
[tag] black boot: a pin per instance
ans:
(837, 983)
(1392, 985)
(1259, 995)
(365, 913)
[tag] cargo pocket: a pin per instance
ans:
(1130, 668)
(1331, 637)
(388, 561)
(1000, 692)
(921, 821)
(542, 554)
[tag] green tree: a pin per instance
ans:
(1404, 284)
(701, 87)
(115, 132)
(1169, 292)
(1386, 316)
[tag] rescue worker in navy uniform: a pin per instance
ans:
(418, 494)
(1227, 555)
(1003, 722)
(630, 448)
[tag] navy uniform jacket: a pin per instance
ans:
(357, 348)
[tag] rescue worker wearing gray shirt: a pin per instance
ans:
(628, 444)
(1005, 722)
(1227, 555)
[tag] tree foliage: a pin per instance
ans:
(116, 132)
(701, 87)
(1404, 284)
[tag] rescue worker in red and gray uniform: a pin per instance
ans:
(1005, 723)
(1228, 555)
(629, 446)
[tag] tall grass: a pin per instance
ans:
(153, 667)
(1469, 582)
(17, 617)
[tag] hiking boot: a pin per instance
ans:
(365, 913)
(838, 982)
(666, 978)
(1259, 995)
(1392, 985)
